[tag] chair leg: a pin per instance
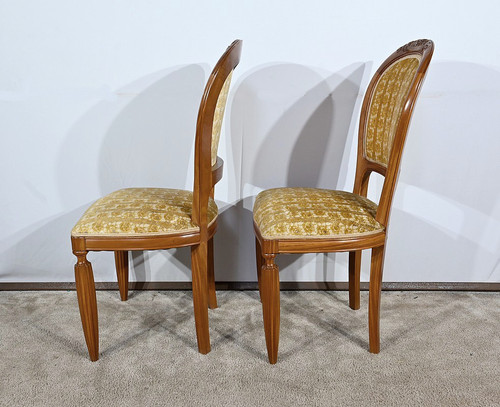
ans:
(121, 262)
(87, 302)
(354, 277)
(374, 299)
(271, 306)
(259, 260)
(212, 297)
(199, 261)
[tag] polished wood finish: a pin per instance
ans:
(271, 306)
(374, 298)
(354, 278)
(87, 303)
(156, 242)
(121, 263)
(206, 176)
(212, 298)
(216, 173)
(199, 261)
(354, 245)
(260, 261)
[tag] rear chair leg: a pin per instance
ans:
(212, 297)
(121, 262)
(354, 277)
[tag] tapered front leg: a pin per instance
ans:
(199, 257)
(212, 296)
(354, 278)
(271, 305)
(259, 261)
(374, 300)
(121, 263)
(85, 289)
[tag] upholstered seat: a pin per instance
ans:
(282, 213)
(141, 211)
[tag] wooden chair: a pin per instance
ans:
(309, 220)
(157, 218)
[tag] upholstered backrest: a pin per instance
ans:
(387, 103)
(208, 168)
(219, 116)
(385, 117)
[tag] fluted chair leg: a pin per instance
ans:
(271, 306)
(354, 278)
(259, 261)
(121, 263)
(212, 296)
(199, 261)
(374, 300)
(87, 302)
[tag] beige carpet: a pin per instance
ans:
(438, 349)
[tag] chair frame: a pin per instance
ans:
(266, 250)
(201, 241)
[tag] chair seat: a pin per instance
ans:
(141, 211)
(288, 213)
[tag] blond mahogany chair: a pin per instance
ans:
(157, 218)
(310, 220)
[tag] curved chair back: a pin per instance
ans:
(385, 117)
(208, 167)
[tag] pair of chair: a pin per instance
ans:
(286, 220)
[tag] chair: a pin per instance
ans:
(310, 220)
(157, 218)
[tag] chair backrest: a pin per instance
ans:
(207, 166)
(385, 117)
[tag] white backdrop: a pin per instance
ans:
(96, 96)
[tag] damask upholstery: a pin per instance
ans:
(219, 116)
(386, 107)
(141, 211)
(283, 213)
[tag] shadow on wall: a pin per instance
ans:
(449, 190)
(292, 124)
(150, 142)
(42, 251)
(142, 137)
(446, 220)
(306, 144)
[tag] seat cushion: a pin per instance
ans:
(288, 213)
(141, 211)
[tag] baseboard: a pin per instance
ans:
(250, 285)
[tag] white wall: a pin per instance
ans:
(96, 96)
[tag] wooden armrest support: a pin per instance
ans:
(217, 171)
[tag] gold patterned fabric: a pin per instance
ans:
(218, 116)
(141, 211)
(386, 106)
(287, 213)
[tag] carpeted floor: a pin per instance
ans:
(438, 349)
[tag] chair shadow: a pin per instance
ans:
(34, 253)
(167, 322)
(237, 333)
(142, 138)
(128, 142)
(301, 125)
(458, 211)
